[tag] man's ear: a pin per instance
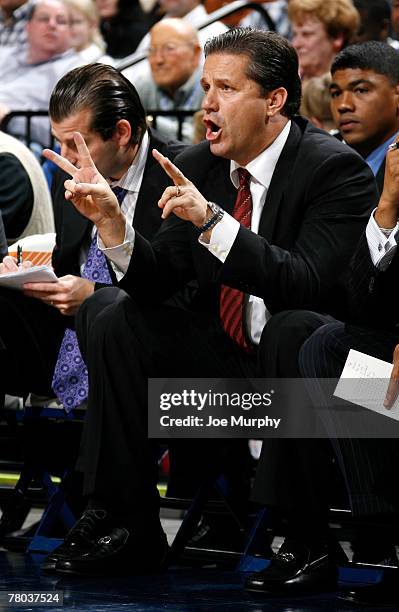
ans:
(275, 101)
(123, 132)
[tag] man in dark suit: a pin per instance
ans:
(282, 239)
(104, 106)
(365, 77)
(369, 464)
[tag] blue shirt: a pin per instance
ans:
(376, 157)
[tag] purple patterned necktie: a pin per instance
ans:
(70, 381)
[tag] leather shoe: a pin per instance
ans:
(384, 593)
(119, 551)
(296, 568)
(81, 538)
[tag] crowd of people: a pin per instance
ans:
(267, 250)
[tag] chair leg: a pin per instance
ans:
(190, 520)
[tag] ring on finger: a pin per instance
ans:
(177, 191)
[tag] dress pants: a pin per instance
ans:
(123, 345)
(292, 473)
(30, 336)
(368, 465)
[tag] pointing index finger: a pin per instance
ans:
(171, 170)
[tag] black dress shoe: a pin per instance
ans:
(80, 539)
(384, 593)
(119, 552)
(296, 568)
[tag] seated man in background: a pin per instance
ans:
(25, 201)
(192, 11)
(174, 82)
(365, 77)
(28, 77)
(272, 227)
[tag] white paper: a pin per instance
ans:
(35, 274)
(364, 381)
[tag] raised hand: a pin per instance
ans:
(393, 386)
(87, 190)
(183, 199)
(387, 212)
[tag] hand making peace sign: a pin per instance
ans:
(88, 190)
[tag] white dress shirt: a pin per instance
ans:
(225, 232)
(382, 246)
(120, 255)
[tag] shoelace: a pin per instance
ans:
(85, 526)
(286, 557)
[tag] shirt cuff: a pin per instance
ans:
(120, 255)
(382, 248)
(222, 237)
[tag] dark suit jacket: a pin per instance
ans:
(73, 230)
(317, 206)
(372, 291)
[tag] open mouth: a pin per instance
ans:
(213, 131)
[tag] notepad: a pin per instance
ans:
(35, 274)
(364, 381)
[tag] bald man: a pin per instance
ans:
(174, 82)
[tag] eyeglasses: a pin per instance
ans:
(166, 49)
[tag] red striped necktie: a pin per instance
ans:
(232, 300)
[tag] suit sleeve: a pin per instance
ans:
(336, 204)
(372, 290)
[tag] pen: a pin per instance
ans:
(19, 255)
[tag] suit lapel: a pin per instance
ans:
(220, 188)
(380, 177)
(147, 212)
(280, 181)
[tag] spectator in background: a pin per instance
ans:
(365, 101)
(123, 24)
(13, 19)
(25, 201)
(320, 29)
(86, 37)
(174, 82)
(192, 11)
(375, 19)
(315, 104)
(27, 79)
